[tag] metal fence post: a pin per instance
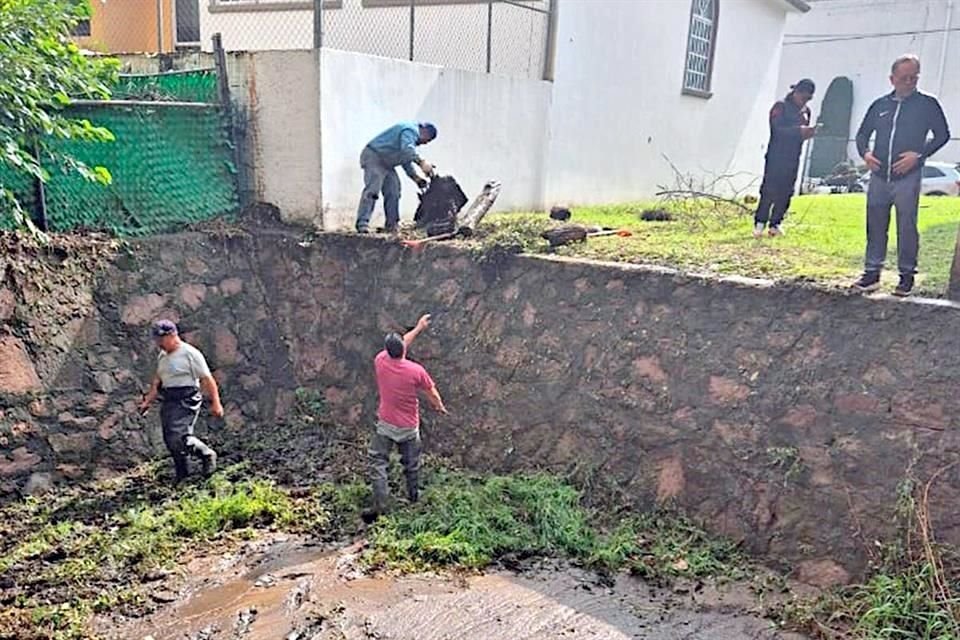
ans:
(226, 104)
(40, 215)
(413, 5)
(489, 34)
(317, 24)
(550, 54)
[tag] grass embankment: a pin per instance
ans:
(824, 242)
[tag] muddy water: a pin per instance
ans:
(286, 591)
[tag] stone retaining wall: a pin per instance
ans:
(785, 417)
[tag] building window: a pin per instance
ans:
(701, 46)
(82, 28)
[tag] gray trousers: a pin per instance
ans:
(377, 178)
(178, 416)
(408, 441)
(904, 194)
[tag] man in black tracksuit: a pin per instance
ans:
(901, 121)
(789, 127)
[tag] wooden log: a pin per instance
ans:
(469, 218)
(567, 233)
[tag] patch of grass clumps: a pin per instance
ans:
(895, 603)
(661, 545)
(225, 506)
(912, 592)
(471, 522)
(67, 570)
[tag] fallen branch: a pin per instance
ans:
(691, 193)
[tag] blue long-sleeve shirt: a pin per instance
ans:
(397, 146)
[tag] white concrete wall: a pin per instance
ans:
(283, 104)
(490, 128)
(867, 61)
(452, 35)
(618, 105)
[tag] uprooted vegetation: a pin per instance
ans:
(103, 549)
(108, 549)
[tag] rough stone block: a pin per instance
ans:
(225, 347)
(20, 461)
(71, 445)
(822, 573)
(193, 294)
(141, 310)
(17, 373)
(725, 391)
(231, 286)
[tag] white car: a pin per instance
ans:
(938, 179)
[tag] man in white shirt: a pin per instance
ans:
(182, 373)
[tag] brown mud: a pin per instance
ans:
(287, 589)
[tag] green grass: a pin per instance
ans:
(895, 603)
(471, 522)
(70, 569)
(824, 242)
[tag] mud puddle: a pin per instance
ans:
(287, 590)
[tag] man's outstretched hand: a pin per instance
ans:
(424, 322)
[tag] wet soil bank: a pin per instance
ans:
(288, 589)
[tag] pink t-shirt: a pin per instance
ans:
(398, 381)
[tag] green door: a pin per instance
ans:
(830, 145)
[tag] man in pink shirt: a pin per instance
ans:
(398, 417)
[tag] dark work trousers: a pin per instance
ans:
(377, 178)
(904, 194)
(408, 442)
(178, 416)
(776, 190)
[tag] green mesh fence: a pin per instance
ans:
(187, 86)
(171, 165)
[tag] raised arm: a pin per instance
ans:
(411, 335)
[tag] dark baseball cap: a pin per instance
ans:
(164, 328)
(805, 86)
(430, 128)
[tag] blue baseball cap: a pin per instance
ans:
(164, 328)
(429, 128)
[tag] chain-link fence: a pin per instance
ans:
(497, 36)
(509, 37)
(172, 161)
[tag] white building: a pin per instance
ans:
(859, 39)
(634, 82)
(624, 96)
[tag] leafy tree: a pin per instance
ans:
(41, 70)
